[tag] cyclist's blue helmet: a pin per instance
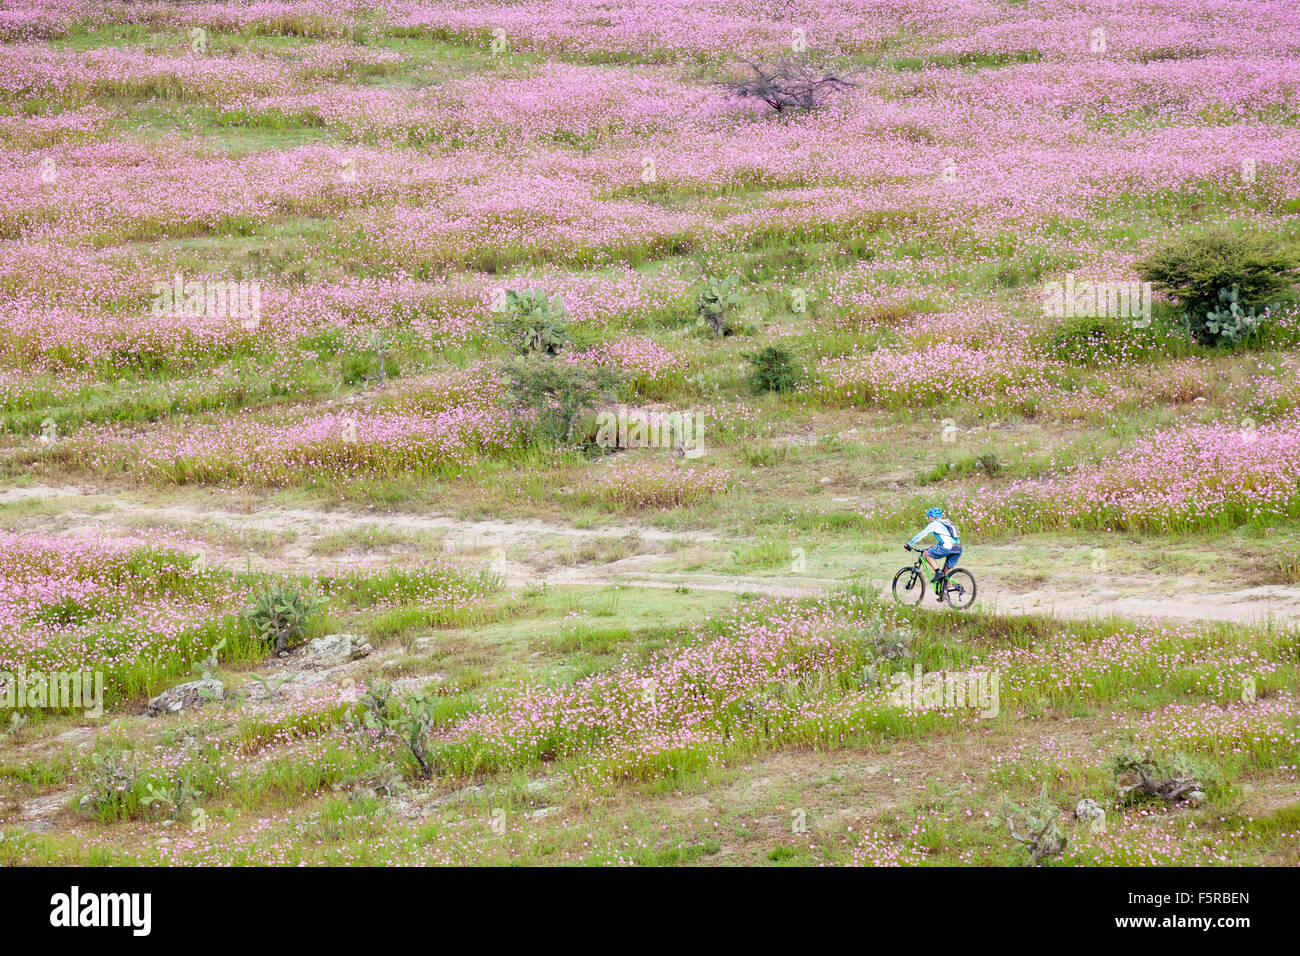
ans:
(934, 513)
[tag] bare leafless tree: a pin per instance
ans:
(789, 84)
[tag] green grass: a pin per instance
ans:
(295, 782)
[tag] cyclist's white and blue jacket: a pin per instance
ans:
(949, 538)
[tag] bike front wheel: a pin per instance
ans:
(960, 589)
(909, 587)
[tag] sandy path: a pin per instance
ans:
(516, 551)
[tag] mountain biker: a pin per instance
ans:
(946, 553)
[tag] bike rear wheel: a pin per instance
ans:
(960, 589)
(909, 587)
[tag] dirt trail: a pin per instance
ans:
(524, 552)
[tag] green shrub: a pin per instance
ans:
(409, 719)
(1088, 339)
(65, 612)
(358, 368)
(716, 303)
(530, 322)
(1196, 270)
(1034, 826)
(560, 392)
(1178, 778)
(986, 464)
(1229, 323)
(773, 369)
(279, 616)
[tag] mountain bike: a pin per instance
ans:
(957, 586)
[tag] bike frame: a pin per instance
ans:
(920, 567)
(917, 569)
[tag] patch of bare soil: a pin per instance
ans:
(523, 553)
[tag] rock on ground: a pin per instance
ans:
(335, 648)
(195, 693)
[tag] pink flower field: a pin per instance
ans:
(457, 432)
